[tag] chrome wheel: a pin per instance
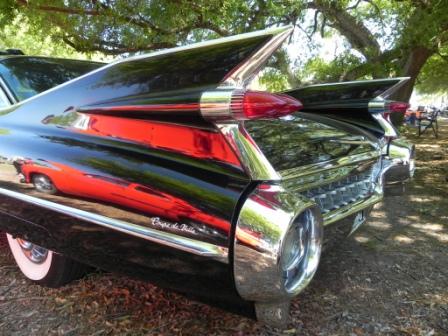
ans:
(43, 266)
(295, 247)
(44, 184)
(33, 252)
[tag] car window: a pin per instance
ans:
(29, 76)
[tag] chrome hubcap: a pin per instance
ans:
(301, 246)
(42, 182)
(307, 245)
(33, 252)
(303, 236)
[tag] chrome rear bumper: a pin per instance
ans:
(266, 220)
(399, 166)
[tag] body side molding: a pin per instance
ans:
(165, 238)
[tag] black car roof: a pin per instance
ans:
(56, 59)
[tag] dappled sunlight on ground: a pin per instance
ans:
(402, 239)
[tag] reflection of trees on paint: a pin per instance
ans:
(29, 76)
(66, 119)
(177, 187)
(187, 68)
(296, 141)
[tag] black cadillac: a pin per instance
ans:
(167, 167)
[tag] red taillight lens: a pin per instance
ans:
(258, 104)
(398, 107)
(394, 107)
(241, 105)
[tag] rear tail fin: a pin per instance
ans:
(173, 81)
(364, 103)
(353, 96)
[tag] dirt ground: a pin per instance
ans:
(390, 278)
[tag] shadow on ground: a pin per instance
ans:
(390, 278)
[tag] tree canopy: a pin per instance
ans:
(15, 35)
(382, 38)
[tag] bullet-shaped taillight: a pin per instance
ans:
(397, 106)
(258, 104)
(242, 105)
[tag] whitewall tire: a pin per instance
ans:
(43, 266)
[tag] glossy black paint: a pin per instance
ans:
(45, 132)
(82, 159)
(341, 96)
(182, 74)
(176, 175)
(197, 277)
(210, 189)
(181, 179)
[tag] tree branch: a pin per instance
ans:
(281, 62)
(64, 10)
(356, 33)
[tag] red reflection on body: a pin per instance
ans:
(249, 238)
(190, 141)
(116, 191)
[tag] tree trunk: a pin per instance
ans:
(412, 66)
(414, 63)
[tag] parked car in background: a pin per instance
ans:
(167, 167)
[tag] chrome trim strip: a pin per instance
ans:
(5, 102)
(389, 129)
(322, 166)
(7, 91)
(386, 94)
(164, 238)
(253, 160)
(325, 177)
(352, 208)
(216, 104)
(243, 74)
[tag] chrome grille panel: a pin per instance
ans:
(343, 192)
(339, 188)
